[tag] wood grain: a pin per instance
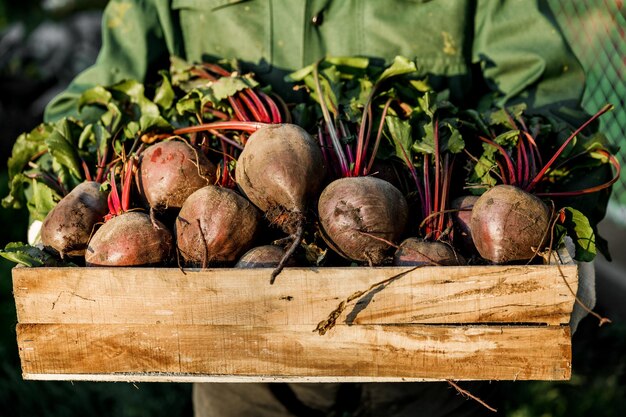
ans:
(360, 352)
(301, 296)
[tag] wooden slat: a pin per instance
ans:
(476, 294)
(363, 351)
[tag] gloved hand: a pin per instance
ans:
(586, 288)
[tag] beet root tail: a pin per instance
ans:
(297, 239)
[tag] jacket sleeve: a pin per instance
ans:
(133, 39)
(524, 57)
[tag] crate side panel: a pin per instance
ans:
(365, 351)
(512, 294)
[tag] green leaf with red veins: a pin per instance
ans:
(483, 170)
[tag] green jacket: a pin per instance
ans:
(507, 50)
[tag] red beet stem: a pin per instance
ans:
(364, 134)
(379, 134)
(100, 172)
(558, 153)
(85, 170)
(509, 162)
(217, 69)
(427, 202)
(275, 112)
(437, 166)
(594, 189)
(244, 126)
(238, 109)
(258, 103)
(332, 130)
(126, 185)
(250, 106)
(115, 207)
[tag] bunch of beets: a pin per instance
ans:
(389, 173)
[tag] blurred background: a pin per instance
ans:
(44, 43)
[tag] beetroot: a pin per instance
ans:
(461, 219)
(130, 239)
(215, 225)
(359, 216)
(509, 224)
(281, 170)
(414, 252)
(69, 225)
(170, 171)
(266, 256)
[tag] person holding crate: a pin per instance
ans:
(501, 51)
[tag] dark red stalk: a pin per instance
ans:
(536, 155)
(345, 170)
(126, 185)
(547, 166)
(502, 175)
(112, 208)
(240, 113)
(100, 172)
(523, 168)
(347, 147)
(258, 103)
(507, 158)
(275, 112)
(216, 69)
(427, 202)
(320, 138)
(249, 127)
(226, 139)
(203, 74)
(251, 107)
(364, 134)
(413, 172)
(594, 189)
(444, 195)
(115, 206)
(518, 162)
(217, 113)
(437, 166)
(85, 170)
(50, 181)
(277, 100)
(379, 135)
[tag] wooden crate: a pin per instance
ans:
(431, 323)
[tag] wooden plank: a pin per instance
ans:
(362, 351)
(476, 294)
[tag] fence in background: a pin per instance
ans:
(596, 31)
